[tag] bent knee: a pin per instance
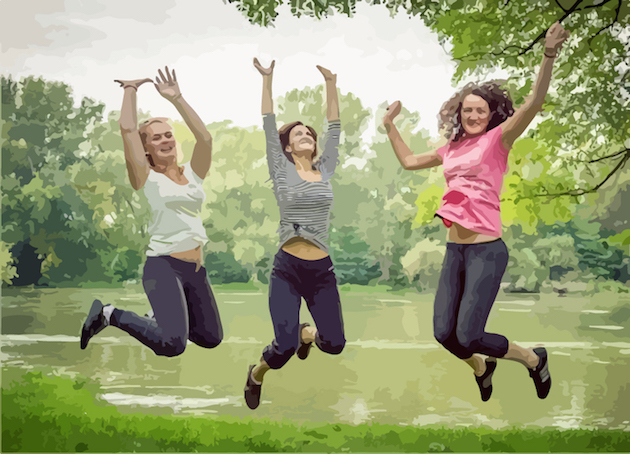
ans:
(173, 347)
(332, 347)
(208, 341)
(467, 341)
(442, 336)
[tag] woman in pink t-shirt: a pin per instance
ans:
(481, 126)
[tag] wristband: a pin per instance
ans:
(550, 56)
(130, 86)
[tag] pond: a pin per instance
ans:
(391, 371)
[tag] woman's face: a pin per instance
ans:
(160, 143)
(301, 141)
(475, 115)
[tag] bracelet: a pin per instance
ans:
(550, 56)
(130, 86)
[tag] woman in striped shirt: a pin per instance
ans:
(302, 267)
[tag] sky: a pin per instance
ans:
(211, 45)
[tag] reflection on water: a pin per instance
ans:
(392, 370)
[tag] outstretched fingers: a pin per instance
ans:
(161, 75)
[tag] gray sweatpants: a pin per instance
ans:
(183, 305)
(468, 286)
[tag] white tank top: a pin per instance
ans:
(176, 222)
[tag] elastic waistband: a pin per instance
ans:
(485, 243)
(284, 255)
(173, 261)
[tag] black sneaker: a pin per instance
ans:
(485, 381)
(303, 347)
(94, 323)
(252, 390)
(540, 374)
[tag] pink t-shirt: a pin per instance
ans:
(474, 170)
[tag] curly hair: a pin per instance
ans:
(498, 99)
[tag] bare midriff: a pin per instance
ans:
(193, 256)
(303, 249)
(462, 235)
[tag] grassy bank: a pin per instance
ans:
(46, 412)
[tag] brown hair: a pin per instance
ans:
(284, 133)
(144, 135)
(498, 99)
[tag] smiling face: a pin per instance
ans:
(301, 141)
(475, 115)
(159, 143)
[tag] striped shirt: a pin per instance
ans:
(304, 205)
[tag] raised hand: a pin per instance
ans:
(555, 37)
(392, 111)
(264, 71)
(167, 86)
(132, 83)
(328, 75)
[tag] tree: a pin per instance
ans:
(589, 125)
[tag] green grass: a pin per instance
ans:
(47, 412)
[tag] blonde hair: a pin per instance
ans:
(144, 137)
(145, 125)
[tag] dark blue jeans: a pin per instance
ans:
(183, 304)
(314, 280)
(468, 286)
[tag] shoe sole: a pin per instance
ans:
(95, 310)
(545, 376)
(248, 385)
(485, 381)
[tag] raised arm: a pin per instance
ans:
(332, 99)
(267, 73)
(514, 126)
(275, 156)
(330, 155)
(168, 87)
(135, 155)
(407, 159)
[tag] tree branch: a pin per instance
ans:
(578, 192)
(599, 5)
(609, 25)
(567, 12)
(611, 156)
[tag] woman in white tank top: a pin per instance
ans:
(174, 279)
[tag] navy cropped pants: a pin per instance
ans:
(468, 286)
(291, 279)
(183, 305)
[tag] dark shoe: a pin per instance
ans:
(540, 374)
(94, 323)
(252, 391)
(303, 348)
(485, 381)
